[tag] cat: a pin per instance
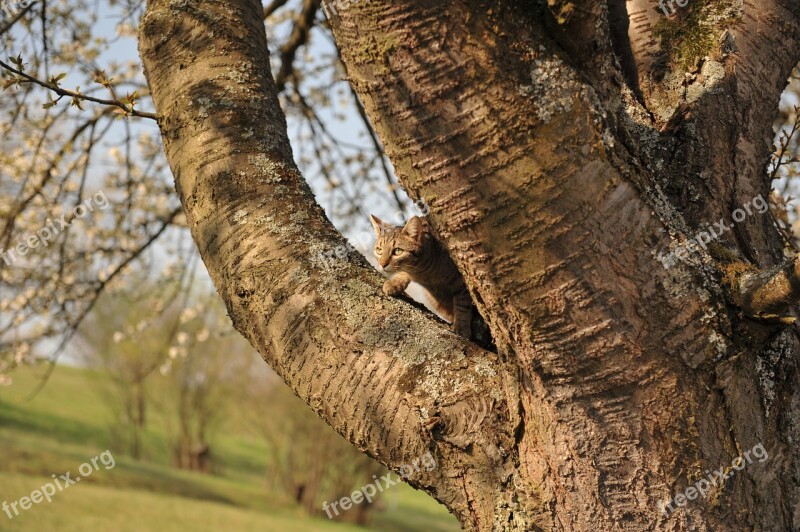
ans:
(412, 253)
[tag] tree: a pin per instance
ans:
(597, 173)
(203, 369)
(306, 459)
(120, 337)
(562, 148)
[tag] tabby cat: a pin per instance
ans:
(412, 253)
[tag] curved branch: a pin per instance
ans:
(383, 374)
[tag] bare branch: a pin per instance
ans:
(273, 7)
(64, 92)
(376, 143)
(8, 25)
(299, 37)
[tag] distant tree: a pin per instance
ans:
(306, 458)
(121, 337)
(204, 367)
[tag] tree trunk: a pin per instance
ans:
(140, 404)
(563, 148)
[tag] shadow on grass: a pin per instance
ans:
(37, 455)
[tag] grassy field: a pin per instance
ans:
(66, 424)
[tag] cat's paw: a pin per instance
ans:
(463, 329)
(394, 287)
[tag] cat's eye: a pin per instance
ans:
(397, 251)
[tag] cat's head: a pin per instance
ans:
(398, 248)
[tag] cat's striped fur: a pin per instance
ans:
(412, 253)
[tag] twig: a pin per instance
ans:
(273, 7)
(16, 18)
(299, 37)
(379, 149)
(785, 142)
(64, 92)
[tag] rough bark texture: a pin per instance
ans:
(562, 147)
(392, 380)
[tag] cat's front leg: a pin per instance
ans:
(462, 314)
(396, 285)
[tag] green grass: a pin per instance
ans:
(66, 424)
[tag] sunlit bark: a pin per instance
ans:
(556, 179)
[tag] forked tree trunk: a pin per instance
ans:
(562, 147)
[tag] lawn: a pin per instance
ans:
(66, 424)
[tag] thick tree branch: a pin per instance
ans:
(556, 226)
(390, 379)
(702, 75)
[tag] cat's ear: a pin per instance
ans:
(377, 225)
(413, 228)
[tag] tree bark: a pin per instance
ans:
(562, 148)
(384, 374)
